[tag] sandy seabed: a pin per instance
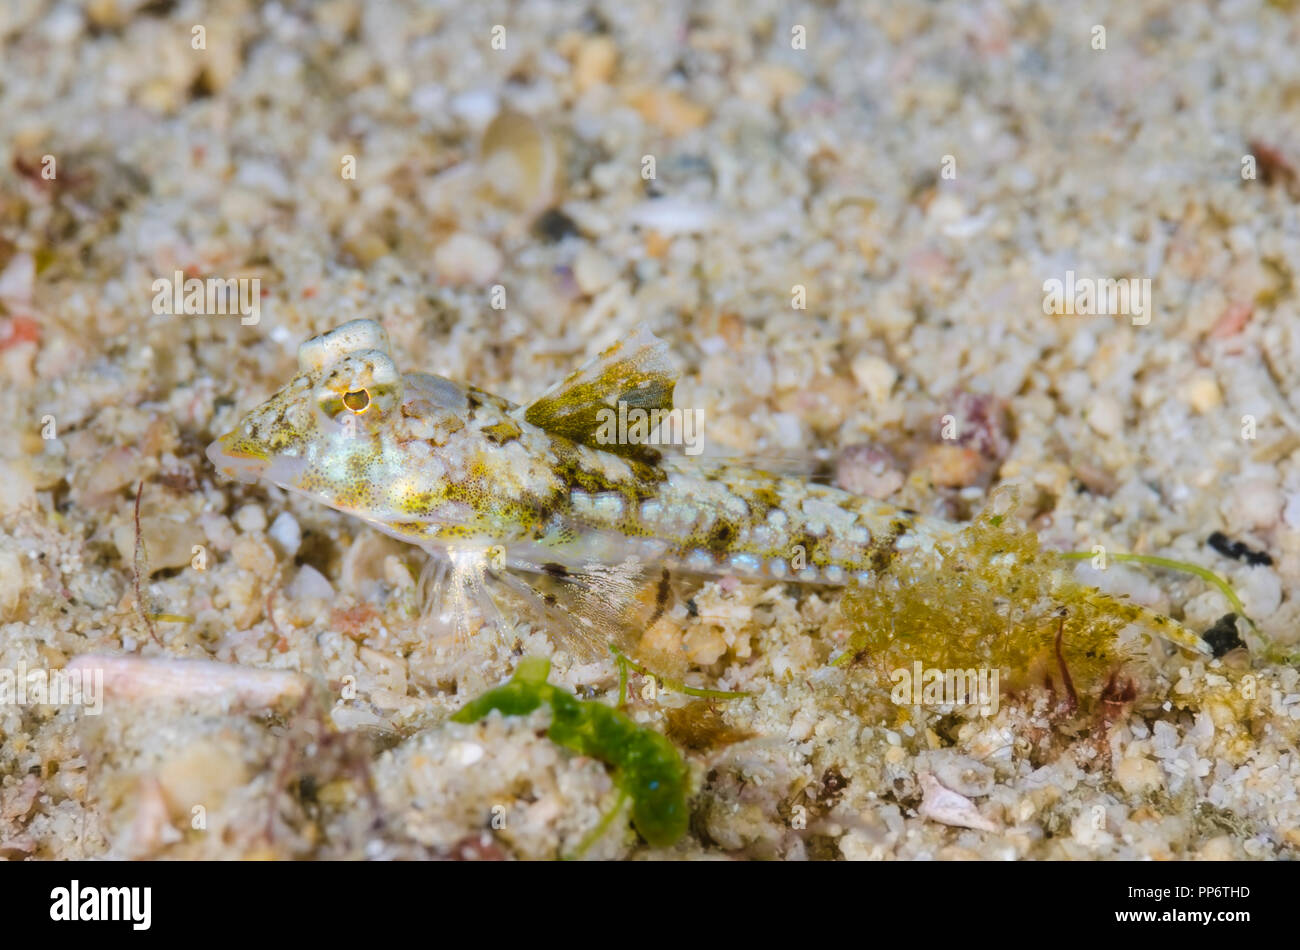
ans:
(845, 230)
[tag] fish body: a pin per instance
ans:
(445, 466)
(459, 471)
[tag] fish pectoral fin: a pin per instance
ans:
(454, 594)
(638, 372)
(589, 608)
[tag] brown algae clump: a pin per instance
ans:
(993, 600)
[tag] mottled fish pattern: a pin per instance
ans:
(462, 472)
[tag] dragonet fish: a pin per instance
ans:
(488, 487)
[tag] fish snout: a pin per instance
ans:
(236, 461)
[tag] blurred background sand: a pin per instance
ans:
(842, 217)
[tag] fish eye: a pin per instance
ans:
(357, 400)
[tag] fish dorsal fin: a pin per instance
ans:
(638, 371)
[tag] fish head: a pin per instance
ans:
(327, 433)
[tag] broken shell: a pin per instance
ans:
(521, 162)
(152, 828)
(946, 806)
(961, 773)
(134, 678)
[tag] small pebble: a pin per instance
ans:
(1291, 513)
(1251, 503)
(1260, 590)
(670, 110)
(868, 470)
(18, 278)
(168, 543)
(705, 645)
(309, 584)
(1138, 774)
(12, 581)
(593, 271)
(673, 216)
(595, 62)
(253, 555)
(466, 753)
(981, 422)
(950, 466)
(465, 259)
(1104, 415)
(286, 533)
(17, 488)
(788, 430)
(1202, 394)
(875, 376)
(251, 518)
(476, 108)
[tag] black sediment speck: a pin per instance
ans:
(1223, 637)
(554, 225)
(1237, 550)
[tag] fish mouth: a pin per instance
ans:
(236, 461)
(236, 458)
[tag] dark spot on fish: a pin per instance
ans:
(574, 476)
(544, 508)
(720, 537)
(555, 570)
(811, 549)
(761, 501)
(883, 551)
(647, 468)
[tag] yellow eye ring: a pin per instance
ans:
(357, 400)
